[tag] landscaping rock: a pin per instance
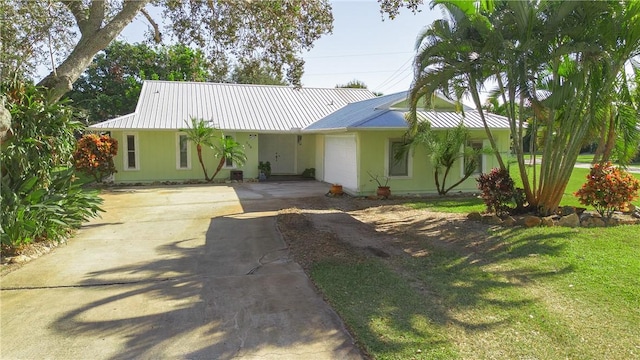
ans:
(20, 259)
(549, 221)
(636, 214)
(532, 221)
(588, 220)
(508, 221)
(475, 216)
(571, 220)
(567, 210)
(491, 219)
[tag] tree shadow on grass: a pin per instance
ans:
(453, 274)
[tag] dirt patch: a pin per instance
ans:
(321, 229)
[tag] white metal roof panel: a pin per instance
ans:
(237, 107)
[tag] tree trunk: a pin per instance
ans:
(204, 168)
(94, 38)
(220, 165)
(492, 141)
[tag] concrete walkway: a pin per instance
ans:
(196, 272)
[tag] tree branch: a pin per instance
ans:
(124, 17)
(157, 35)
(96, 14)
(79, 12)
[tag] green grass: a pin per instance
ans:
(450, 205)
(473, 204)
(545, 293)
(578, 177)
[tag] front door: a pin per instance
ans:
(280, 151)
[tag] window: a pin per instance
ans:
(131, 159)
(183, 152)
(477, 146)
(397, 167)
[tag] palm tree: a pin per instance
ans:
(451, 60)
(228, 150)
(444, 152)
(561, 59)
(200, 133)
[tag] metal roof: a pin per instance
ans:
(359, 112)
(379, 114)
(235, 107)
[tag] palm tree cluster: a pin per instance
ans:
(225, 149)
(566, 61)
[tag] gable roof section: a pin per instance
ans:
(232, 107)
(357, 113)
(379, 114)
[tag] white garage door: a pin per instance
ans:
(340, 164)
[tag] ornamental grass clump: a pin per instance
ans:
(94, 155)
(608, 188)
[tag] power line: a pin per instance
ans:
(356, 55)
(398, 71)
(351, 72)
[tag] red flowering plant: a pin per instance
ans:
(94, 155)
(498, 190)
(608, 188)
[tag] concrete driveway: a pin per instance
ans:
(197, 272)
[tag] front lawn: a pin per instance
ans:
(540, 293)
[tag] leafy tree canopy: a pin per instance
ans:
(111, 84)
(353, 84)
(70, 33)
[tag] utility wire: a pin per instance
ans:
(398, 71)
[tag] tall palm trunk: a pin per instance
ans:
(204, 169)
(220, 165)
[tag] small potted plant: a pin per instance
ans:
(384, 191)
(264, 169)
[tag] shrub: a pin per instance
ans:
(607, 189)
(38, 199)
(94, 155)
(498, 191)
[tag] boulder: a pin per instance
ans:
(532, 221)
(508, 221)
(491, 219)
(571, 220)
(567, 210)
(549, 221)
(592, 221)
(475, 216)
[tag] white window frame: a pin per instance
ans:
(483, 159)
(387, 155)
(136, 145)
(233, 165)
(178, 167)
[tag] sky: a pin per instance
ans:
(362, 47)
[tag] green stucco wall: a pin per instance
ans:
(158, 152)
(373, 148)
(306, 153)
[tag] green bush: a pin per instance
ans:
(39, 199)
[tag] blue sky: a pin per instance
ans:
(362, 47)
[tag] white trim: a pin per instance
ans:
(136, 149)
(387, 149)
(178, 151)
